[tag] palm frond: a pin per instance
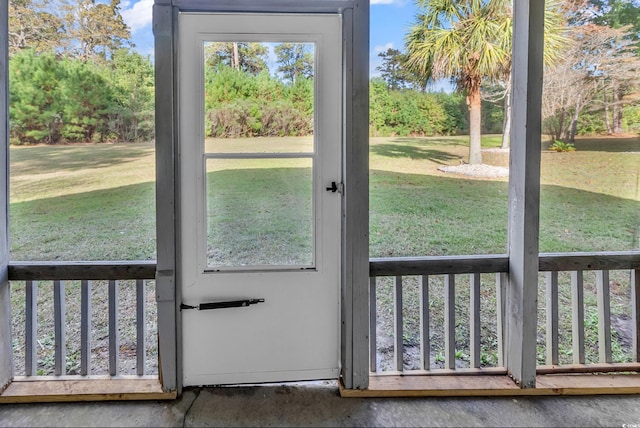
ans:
(470, 39)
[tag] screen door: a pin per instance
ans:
(260, 172)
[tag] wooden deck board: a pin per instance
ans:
(496, 385)
(47, 391)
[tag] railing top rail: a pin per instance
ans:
(91, 270)
(609, 260)
(431, 265)
(493, 263)
(438, 265)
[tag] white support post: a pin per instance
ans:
(355, 270)
(524, 191)
(163, 29)
(6, 353)
(359, 187)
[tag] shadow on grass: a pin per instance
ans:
(422, 215)
(410, 215)
(110, 224)
(413, 152)
(55, 158)
(450, 141)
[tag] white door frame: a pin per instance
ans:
(355, 211)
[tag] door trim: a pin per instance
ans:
(354, 288)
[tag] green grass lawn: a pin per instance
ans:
(82, 202)
(96, 202)
(589, 198)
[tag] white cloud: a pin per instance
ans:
(383, 48)
(139, 15)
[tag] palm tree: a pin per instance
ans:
(466, 41)
(469, 41)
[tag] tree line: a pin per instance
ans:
(243, 98)
(60, 99)
(75, 76)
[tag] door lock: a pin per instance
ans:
(336, 187)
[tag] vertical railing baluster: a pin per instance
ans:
(425, 340)
(474, 319)
(60, 358)
(635, 309)
(141, 308)
(373, 351)
(31, 329)
(577, 316)
(114, 347)
(552, 318)
(604, 316)
(85, 327)
(501, 290)
(398, 351)
(450, 321)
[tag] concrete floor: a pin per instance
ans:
(318, 404)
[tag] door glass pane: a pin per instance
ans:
(259, 213)
(259, 97)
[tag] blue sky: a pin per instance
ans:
(390, 20)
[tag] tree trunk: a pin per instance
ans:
(506, 124)
(573, 125)
(475, 117)
(607, 121)
(236, 57)
(560, 128)
(617, 113)
(573, 128)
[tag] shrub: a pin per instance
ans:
(561, 146)
(244, 118)
(233, 120)
(240, 104)
(283, 119)
(409, 112)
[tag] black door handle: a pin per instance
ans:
(222, 305)
(333, 188)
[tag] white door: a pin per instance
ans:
(260, 234)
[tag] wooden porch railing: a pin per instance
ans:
(113, 277)
(416, 276)
(481, 278)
